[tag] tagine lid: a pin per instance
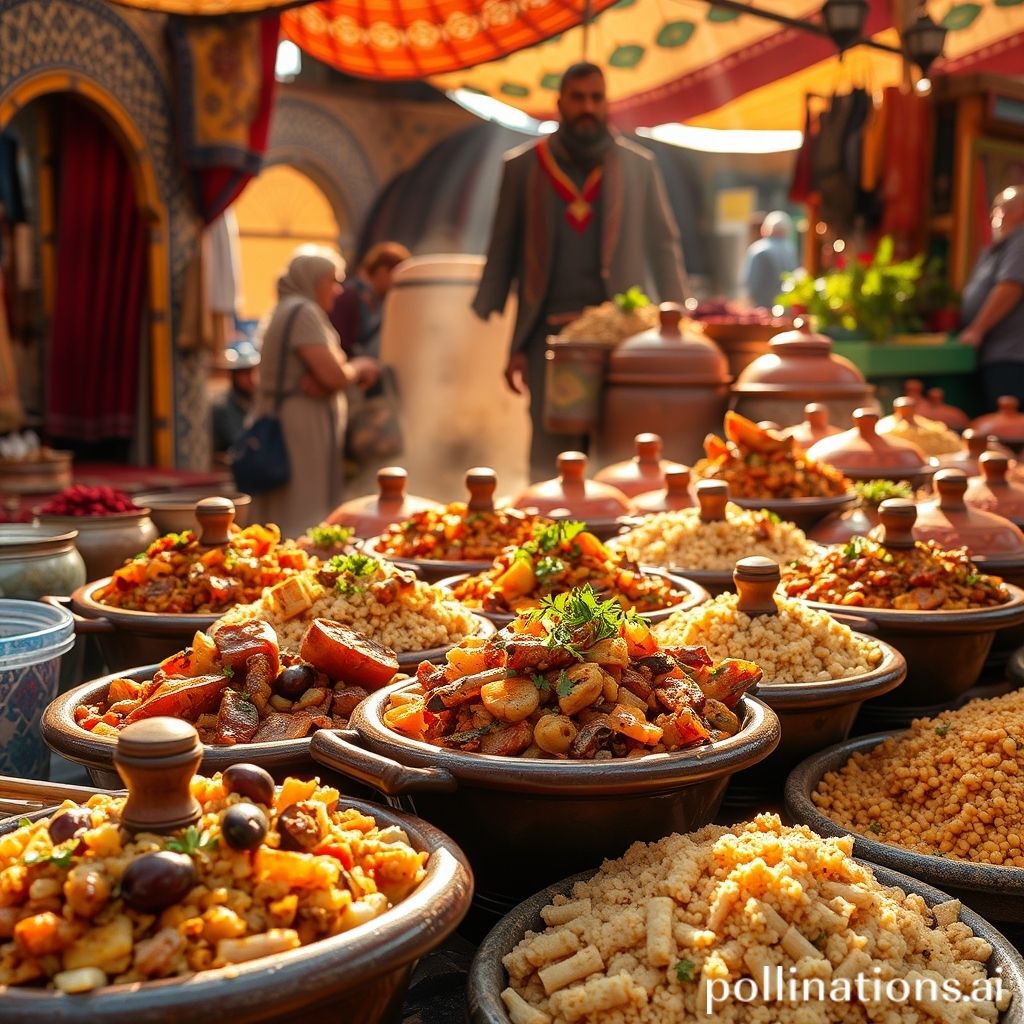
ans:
(570, 495)
(670, 351)
(801, 357)
(645, 471)
(370, 514)
(1006, 423)
(814, 427)
(993, 491)
(674, 495)
(862, 450)
(949, 521)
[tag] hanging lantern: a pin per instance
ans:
(844, 21)
(923, 41)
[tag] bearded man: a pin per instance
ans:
(582, 215)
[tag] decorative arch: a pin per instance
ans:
(306, 136)
(83, 47)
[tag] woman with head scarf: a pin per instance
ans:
(302, 350)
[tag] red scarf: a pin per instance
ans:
(579, 210)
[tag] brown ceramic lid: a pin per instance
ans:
(842, 527)
(571, 496)
(667, 355)
(644, 472)
(993, 491)
(814, 427)
(674, 495)
(1006, 423)
(756, 580)
(215, 516)
(863, 454)
(797, 359)
(372, 513)
(967, 460)
(949, 521)
(935, 408)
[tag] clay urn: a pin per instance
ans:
(666, 380)
(800, 367)
(645, 471)
(570, 495)
(1006, 423)
(863, 454)
(674, 495)
(814, 427)
(370, 514)
(994, 491)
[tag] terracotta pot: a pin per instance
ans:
(487, 977)
(799, 368)
(107, 542)
(574, 379)
(644, 472)
(909, 423)
(968, 460)
(666, 380)
(741, 343)
(814, 427)
(174, 511)
(935, 408)
(996, 892)
(994, 492)
(695, 595)
(1006, 424)
(371, 514)
(496, 807)
(840, 528)
(571, 496)
(674, 495)
(863, 454)
(358, 977)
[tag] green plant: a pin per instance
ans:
(631, 300)
(876, 296)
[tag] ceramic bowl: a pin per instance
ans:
(945, 650)
(487, 978)
(695, 595)
(995, 892)
(805, 512)
(175, 511)
(358, 977)
(496, 807)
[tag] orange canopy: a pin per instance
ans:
(208, 7)
(415, 38)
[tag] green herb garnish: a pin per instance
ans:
(61, 855)
(564, 685)
(24, 823)
(773, 517)
(541, 683)
(180, 540)
(579, 617)
(355, 566)
(227, 670)
(631, 300)
(855, 547)
(191, 842)
(684, 970)
(548, 566)
(329, 536)
(875, 827)
(874, 492)
(941, 730)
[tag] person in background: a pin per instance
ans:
(316, 373)
(992, 303)
(582, 215)
(231, 410)
(356, 314)
(773, 255)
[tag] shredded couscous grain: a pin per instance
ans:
(951, 786)
(674, 927)
(798, 645)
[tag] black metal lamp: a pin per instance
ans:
(923, 41)
(844, 21)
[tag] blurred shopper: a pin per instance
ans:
(582, 215)
(773, 255)
(357, 311)
(231, 410)
(992, 304)
(314, 376)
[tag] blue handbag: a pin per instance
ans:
(259, 458)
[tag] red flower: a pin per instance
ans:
(865, 258)
(840, 263)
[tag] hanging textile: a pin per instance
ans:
(93, 360)
(224, 76)
(907, 181)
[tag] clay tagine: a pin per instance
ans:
(674, 495)
(644, 472)
(931, 436)
(370, 514)
(1006, 423)
(571, 496)
(814, 427)
(863, 454)
(993, 491)
(935, 408)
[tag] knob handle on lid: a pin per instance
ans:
(913, 387)
(994, 467)
(817, 415)
(897, 516)
(977, 442)
(865, 420)
(756, 579)
(157, 758)
(905, 408)
(481, 482)
(648, 447)
(951, 485)
(670, 314)
(391, 482)
(571, 466)
(936, 396)
(712, 496)
(677, 480)
(1008, 404)
(215, 516)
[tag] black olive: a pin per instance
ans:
(243, 826)
(294, 681)
(299, 826)
(157, 880)
(69, 823)
(251, 781)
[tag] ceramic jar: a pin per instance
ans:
(674, 495)
(814, 427)
(993, 491)
(863, 454)
(36, 561)
(644, 472)
(1006, 423)
(107, 542)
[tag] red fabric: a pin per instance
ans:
(345, 319)
(907, 182)
(802, 188)
(93, 362)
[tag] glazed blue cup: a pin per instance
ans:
(33, 639)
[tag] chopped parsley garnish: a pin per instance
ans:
(180, 540)
(579, 617)
(541, 683)
(353, 567)
(684, 970)
(941, 730)
(228, 671)
(191, 842)
(61, 855)
(329, 536)
(854, 548)
(773, 517)
(875, 827)
(564, 685)
(549, 566)
(973, 579)
(874, 492)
